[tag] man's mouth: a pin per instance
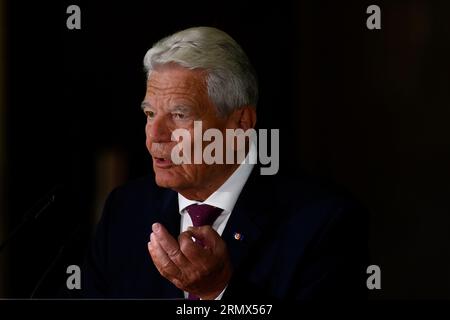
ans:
(163, 163)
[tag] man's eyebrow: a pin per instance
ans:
(181, 108)
(145, 104)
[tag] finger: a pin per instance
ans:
(198, 255)
(170, 246)
(206, 234)
(191, 250)
(163, 263)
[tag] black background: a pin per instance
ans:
(369, 109)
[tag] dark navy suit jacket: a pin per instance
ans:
(300, 240)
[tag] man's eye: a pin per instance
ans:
(178, 116)
(150, 114)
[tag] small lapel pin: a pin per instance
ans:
(238, 236)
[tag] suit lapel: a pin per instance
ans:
(248, 219)
(169, 217)
(169, 214)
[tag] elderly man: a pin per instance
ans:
(220, 230)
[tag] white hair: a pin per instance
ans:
(231, 80)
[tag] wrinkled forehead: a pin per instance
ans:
(180, 88)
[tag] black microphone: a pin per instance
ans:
(32, 215)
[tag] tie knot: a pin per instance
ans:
(203, 214)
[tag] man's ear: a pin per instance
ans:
(244, 118)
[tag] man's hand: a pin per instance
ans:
(202, 268)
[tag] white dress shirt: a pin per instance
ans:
(225, 198)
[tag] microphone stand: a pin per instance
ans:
(31, 215)
(55, 260)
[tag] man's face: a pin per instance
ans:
(175, 98)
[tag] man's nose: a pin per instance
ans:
(158, 130)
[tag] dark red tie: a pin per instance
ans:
(202, 215)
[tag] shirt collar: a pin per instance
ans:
(226, 196)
